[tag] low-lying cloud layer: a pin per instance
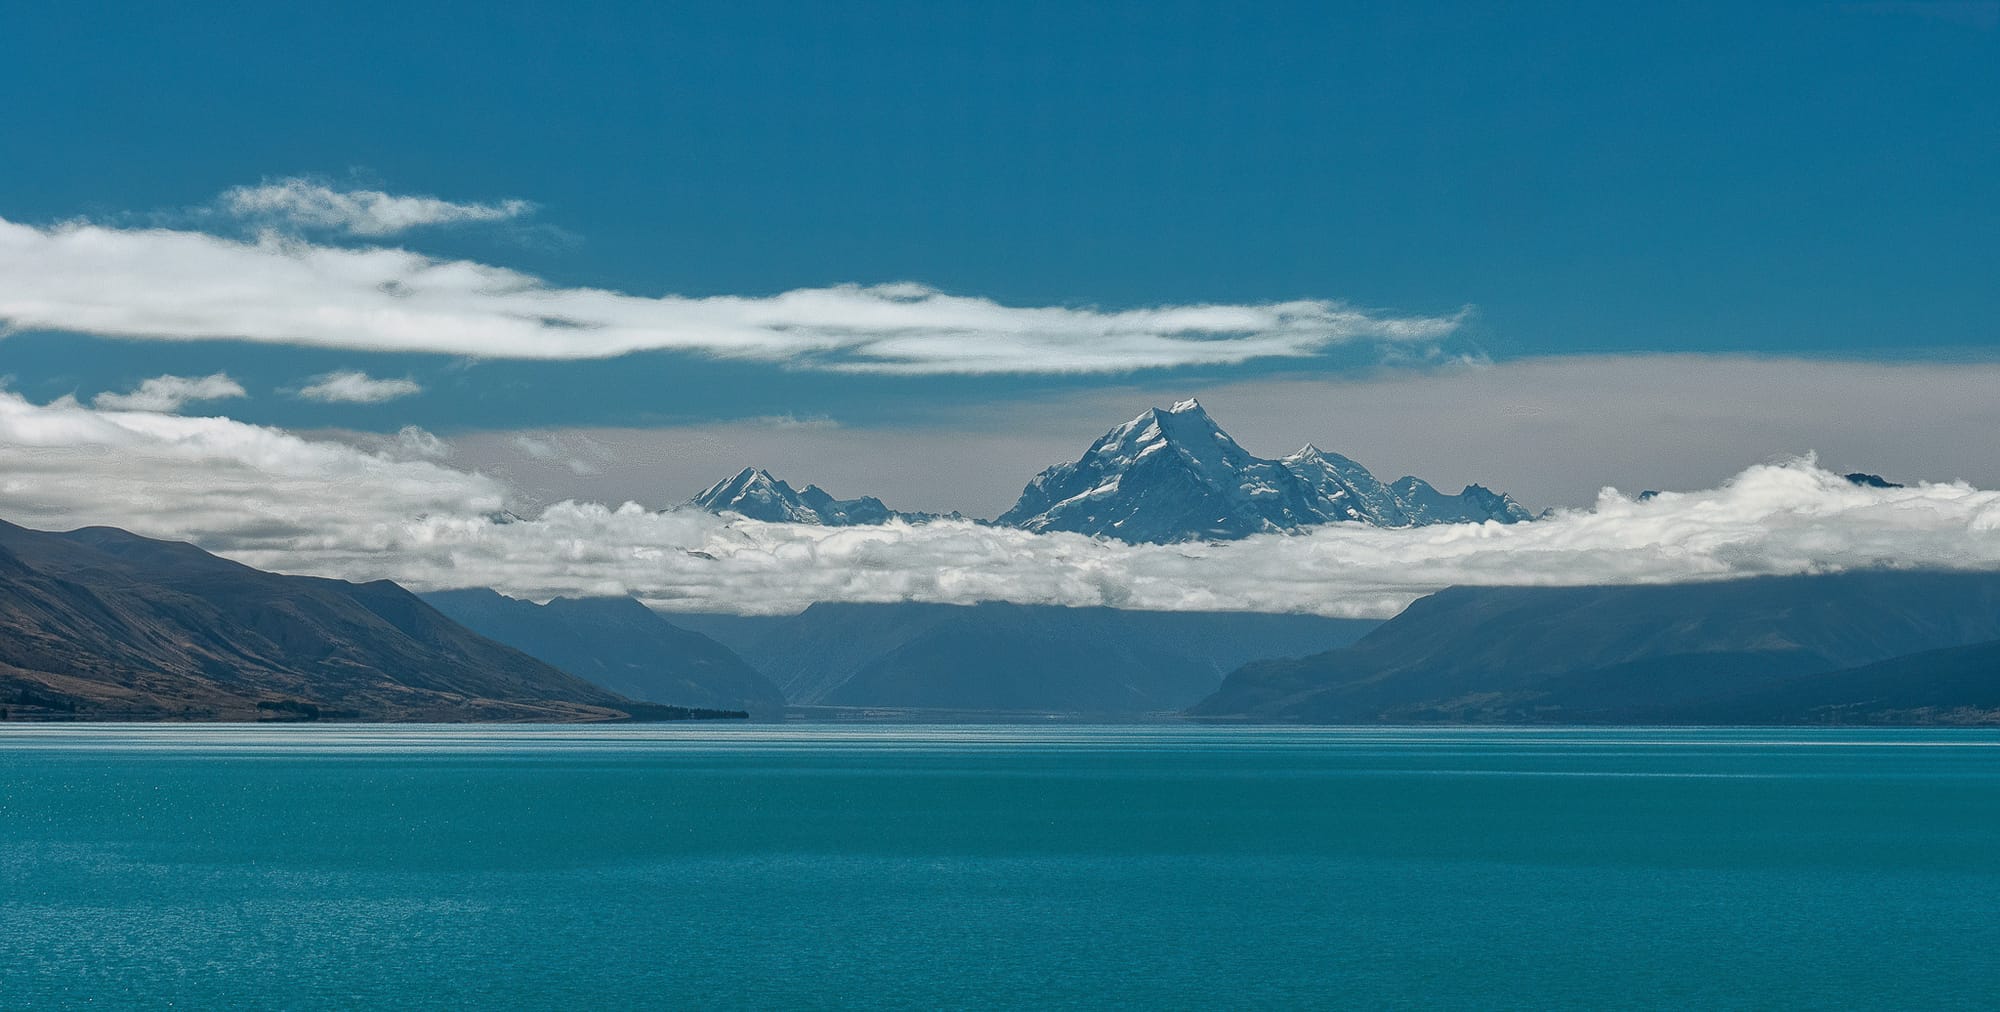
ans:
(278, 501)
(181, 285)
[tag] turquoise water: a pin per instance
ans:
(922, 867)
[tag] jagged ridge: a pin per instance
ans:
(755, 494)
(1173, 475)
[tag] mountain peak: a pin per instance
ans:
(1185, 420)
(1171, 474)
(754, 493)
(752, 484)
(744, 480)
(1168, 474)
(749, 475)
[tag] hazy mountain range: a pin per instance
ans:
(1170, 474)
(620, 644)
(1870, 646)
(1012, 657)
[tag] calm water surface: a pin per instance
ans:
(922, 867)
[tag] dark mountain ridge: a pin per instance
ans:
(102, 623)
(1620, 654)
(619, 644)
(998, 656)
(1953, 685)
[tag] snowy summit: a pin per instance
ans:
(1169, 475)
(1173, 475)
(754, 494)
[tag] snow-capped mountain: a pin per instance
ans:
(1173, 475)
(1346, 490)
(1169, 475)
(753, 493)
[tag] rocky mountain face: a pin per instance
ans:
(754, 493)
(1173, 475)
(1169, 475)
(99, 623)
(1757, 650)
(620, 644)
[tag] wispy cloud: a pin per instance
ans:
(305, 204)
(576, 451)
(353, 387)
(171, 393)
(181, 285)
(273, 499)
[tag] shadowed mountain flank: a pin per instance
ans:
(1753, 650)
(103, 624)
(620, 644)
(995, 656)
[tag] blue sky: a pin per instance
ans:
(1797, 180)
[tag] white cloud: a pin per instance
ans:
(411, 441)
(217, 481)
(275, 500)
(303, 203)
(171, 393)
(357, 388)
(177, 285)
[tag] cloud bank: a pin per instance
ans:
(303, 203)
(353, 387)
(275, 500)
(180, 285)
(172, 393)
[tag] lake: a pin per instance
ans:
(977, 866)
